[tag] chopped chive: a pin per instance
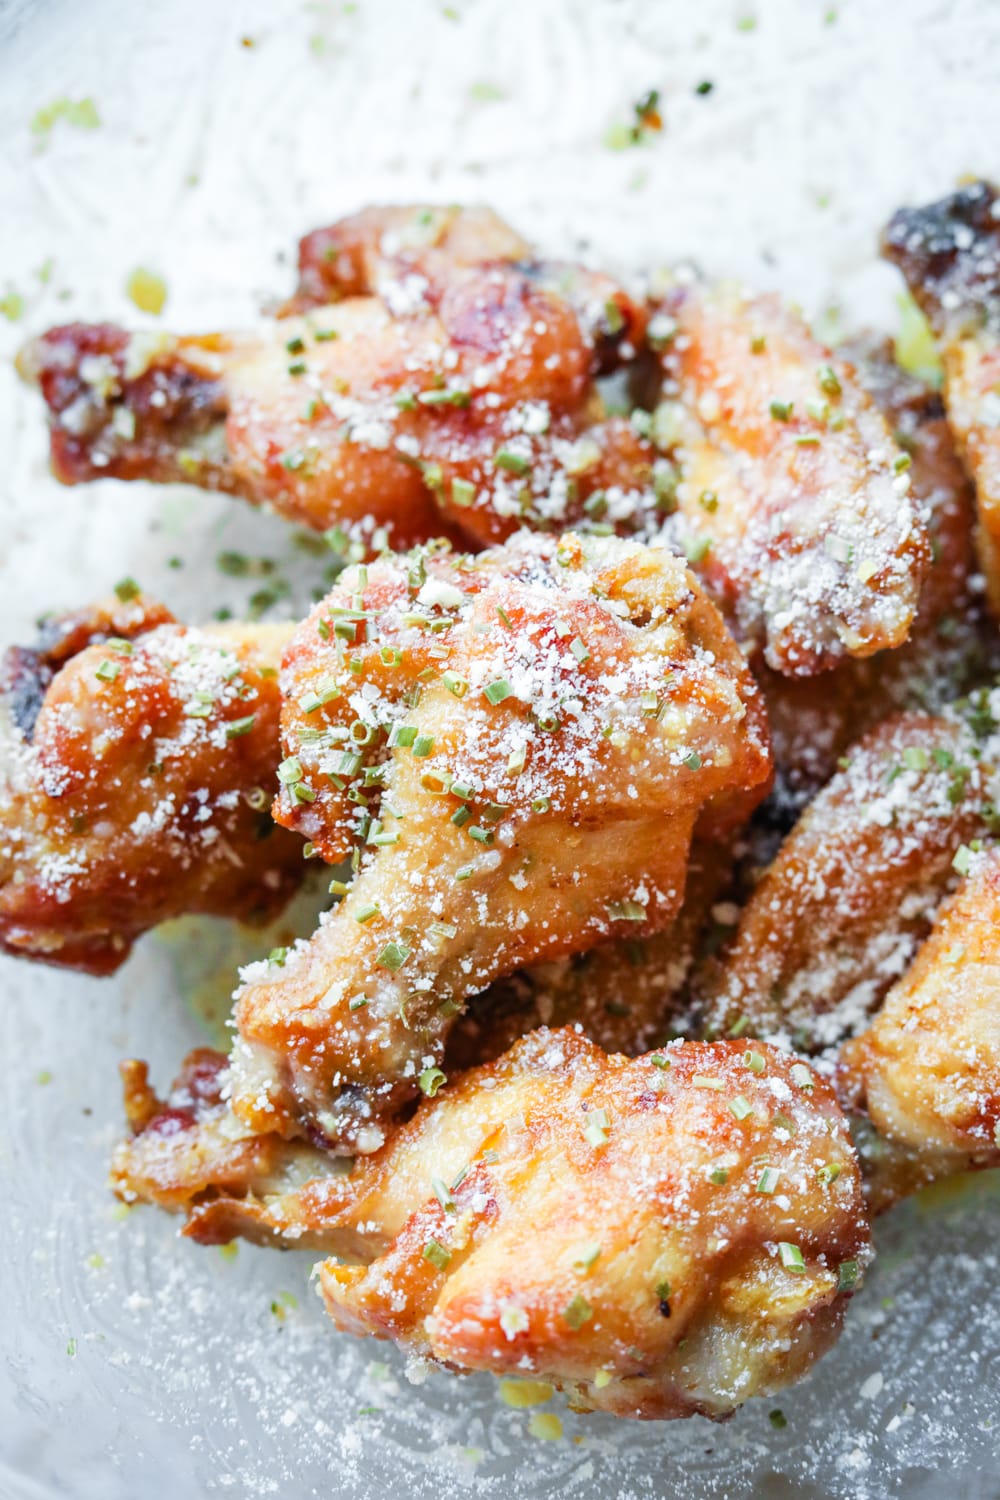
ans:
(709, 500)
(107, 671)
(693, 760)
(338, 887)
(702, 1081)
(464, 873)
(516, 760)
(587, 1255)
(127, 589)
(915, 758)
(402, 734)
(514, 463)
(290, 770)
(718, 1176)
(444, 398)
(579, 650)
(781, 410)
(423, 745)
(463, 493)
(659, 1061)
(393, 956)
(802, 1076)
(828, 1173)
(791, 1256)
(541, 804)
(236, 728)
(577, 1312)
(626, 911)
(365, 913)
(754, 1061)
(277, 956)
(358, 1003)
(436, 1253)
(457, 686)
(126, 648)
(828, 381)
(496, 692)
(301, 792)
(481, 835)
(431, 1080)
(740, 1107)
(847, 1275)
(461, 816)
(962, 861)
(768, 1180)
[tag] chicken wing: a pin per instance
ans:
(836, 918)
(657, 1237)
(927, 1070)
(464, 403)
(134, 753)
(516, 748)
(624, 995)
(951, 646)
(791, 490)
(949, 253)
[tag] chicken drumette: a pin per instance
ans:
(516, 747)
(134, 757)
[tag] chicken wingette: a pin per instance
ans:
(657, 1237)
(790, 489)
(856, 884)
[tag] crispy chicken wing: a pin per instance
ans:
(927, 1070)
(657, 1237)
(624, 995)
(949, 253)
(395, 251)
(459, 400)
(134, 753)
(517, 747)
(951, 646)
(854, 887)
(791, 489)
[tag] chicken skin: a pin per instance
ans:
(855, 886)
(791, 490)
(459, 401)
(927, 1070)
(951, 646)
(949, 253)
(515, 749)
(134, 753)
(656, 1237)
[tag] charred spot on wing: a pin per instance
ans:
(25, 675)
(949, 253)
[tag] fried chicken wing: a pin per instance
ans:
(133, 756)
(927, 1070)
(464, 403)
(657, 1237)
(624, 995)
(949, 253)
(394, 251)
(791, 489)
(517, 747)
(853, 889)
(951, 646)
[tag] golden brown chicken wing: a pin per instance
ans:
(949, 253)
(397, 251)
(951, 646)
(790, 489)
(625, 995)
(927, 1070)
(657, 1237)
(460, 400)
(516, 747)
(835, 919)
(134, 753)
